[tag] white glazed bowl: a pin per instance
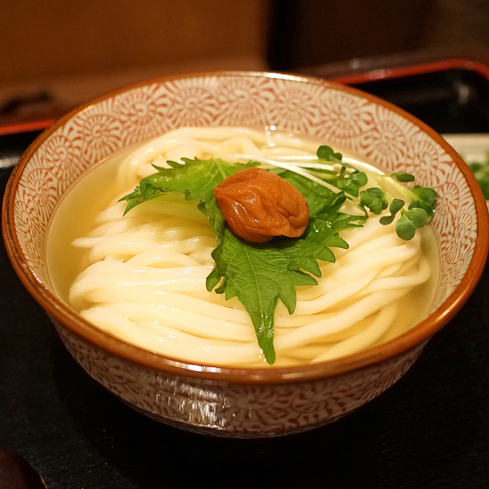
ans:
(230, 401)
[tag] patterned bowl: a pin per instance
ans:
(230, 401)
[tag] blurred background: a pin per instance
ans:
(55, 54)
(58, 54)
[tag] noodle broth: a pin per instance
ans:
(184, 320)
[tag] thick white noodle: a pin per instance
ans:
(146, 272)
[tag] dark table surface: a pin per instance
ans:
(430, 430)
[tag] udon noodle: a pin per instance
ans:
(143, 277)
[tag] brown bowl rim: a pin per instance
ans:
(56, 308)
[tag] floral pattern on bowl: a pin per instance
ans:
(243, 402)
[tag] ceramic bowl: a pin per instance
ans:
(230, 401)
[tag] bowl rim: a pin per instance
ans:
(61, 312)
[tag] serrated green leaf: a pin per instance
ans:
(173, 164)
(258, 275)
(212, 280)
(315, 244)
(336, 242)
(317, 196)
(195, 179)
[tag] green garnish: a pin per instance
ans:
(374, 199)
(260, 274)
(481, 173)
(421, 200)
